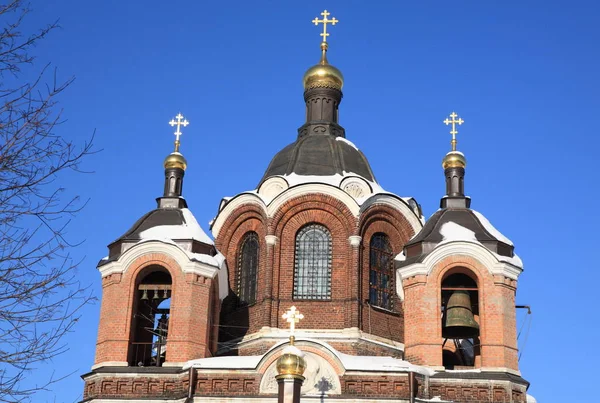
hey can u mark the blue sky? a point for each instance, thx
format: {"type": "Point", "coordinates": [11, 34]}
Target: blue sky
{"type": "Point", "coordinates": [522, 74]}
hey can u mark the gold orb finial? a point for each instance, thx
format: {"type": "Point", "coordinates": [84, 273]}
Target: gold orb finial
{"type": "Point", "coordinates": [454, 159]}
{"type": "Point", "coordinates": [291, 363]}
{"type": "Point", "coordinates": [176, 159]}
{"type": "Point", "coordinates": [323, 75]}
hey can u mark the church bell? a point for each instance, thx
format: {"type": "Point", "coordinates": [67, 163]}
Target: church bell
{"type": "Point", "coordinates": [458, 321]}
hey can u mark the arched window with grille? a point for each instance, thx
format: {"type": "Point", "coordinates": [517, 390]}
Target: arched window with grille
{"type": "Point", "coordinates": [312, 264]}
{"type": "Point", "coordinates": [248, 269]}
{"type": "Point", "coordinates": [381, 272]}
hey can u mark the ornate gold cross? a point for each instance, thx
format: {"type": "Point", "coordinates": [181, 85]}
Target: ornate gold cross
{"type": "Point", "coordinates": [325, 21]}
{"type": "Point", "coordinates": [454, 132]}
{"type": "Point", "coordinates": [178, 123]}
{"type": "Point", "coordinates": [292, 316]}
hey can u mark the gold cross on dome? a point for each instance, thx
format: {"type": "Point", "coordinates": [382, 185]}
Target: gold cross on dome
{"type": "Point", "coordinates": [454, 132]}
{"type": "Point", "coordinates": [325, 21]}
{"type": "Point", "coordinates": [292, 316]}
{"type": "Point", "coordinates": [178, 123]}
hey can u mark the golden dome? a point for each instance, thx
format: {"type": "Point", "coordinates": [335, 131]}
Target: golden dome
{"type": "Point", "coordinates": [291, 362]}
{"type": "Point", "coordinates": [454, 159]}
{"type": "Point", "coordinates": [175, 160]}
{"type": "Point", "coordinates": [323, 75]}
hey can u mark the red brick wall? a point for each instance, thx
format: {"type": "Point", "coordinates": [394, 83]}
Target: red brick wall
{"type": "Point", "coordinates": [189, 328]}
{"type": "Point", "coordinates": [373, 320]}
{"type": "Point", "coordinates": [350, 264]}
{"type": "Point", "coordinates": [423, 339]}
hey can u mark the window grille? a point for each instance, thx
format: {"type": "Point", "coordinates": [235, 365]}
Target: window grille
{"type": "Point", "coordinates": [248, 269]}
{"type": "Point", "coordinates": [312, 266]}
{"type": "Point", "coordinates": [381, 263]}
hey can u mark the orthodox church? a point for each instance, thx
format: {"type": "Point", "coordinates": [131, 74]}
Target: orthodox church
{"type": "Point", "coordinates": [317, 285]}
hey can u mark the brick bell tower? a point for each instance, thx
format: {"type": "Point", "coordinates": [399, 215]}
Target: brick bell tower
{"type": "Point", "coordinates": [459, 276]}
{"type": "Point", "coordinates": [160, 284]}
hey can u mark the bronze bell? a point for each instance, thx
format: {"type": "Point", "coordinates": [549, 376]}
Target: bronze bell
{"type": "Point", "coordinates": [458, 321]}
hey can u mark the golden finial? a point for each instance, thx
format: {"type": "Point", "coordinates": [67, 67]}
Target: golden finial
{"type": "Point", "coordinates": [292, 316]}
{"type": "Point", "coordinates": [454, 159]}
{"type": "Point", "coordinates": [325, 21]}
{"type": "Point", "coordinates": [454, 132]}
{"type": "Point", "coordinates": [178, 133]}
{"type": "Point", "coordinates": [323, 74]}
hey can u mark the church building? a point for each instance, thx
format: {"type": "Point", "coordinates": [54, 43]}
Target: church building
{"type": "Point", "coordinates": [382, 305]}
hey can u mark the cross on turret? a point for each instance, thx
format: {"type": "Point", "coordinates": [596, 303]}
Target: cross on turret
{"type": "Point", "coordinates": [454, 132]}
{"type": "Point", "coordinates": [292, 316]}
{"type": "Point", "coordinates": [325, 21]}
{"type": "Point", "coordinates": [178, 132]}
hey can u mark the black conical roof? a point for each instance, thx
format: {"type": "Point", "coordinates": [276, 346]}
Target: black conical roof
{"type": "Point", "coordinates": [320, 155]}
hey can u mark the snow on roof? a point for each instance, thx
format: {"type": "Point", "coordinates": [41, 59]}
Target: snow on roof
{"type": "Point", "coordinates": [345, 140]}
{"type": "Point", "coordinates": [491, 229]}
{"type": "Point", "coordinates": [294, 179]}
{"type": "Point", "coordinates": [349, 362]}
{"type": "Point", "coordinates": [237, 362]}
{"type": "Point", "coordinates": [452, 231]}
{"type": "Point", "coordinates": [378, 363]}
{"type": "Point", "coordinates": [190, 230]}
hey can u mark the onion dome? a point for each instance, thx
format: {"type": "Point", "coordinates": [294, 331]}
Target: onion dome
{"type": "Point", "coordinates": [454, 159]}
{"type": "Point", "coordinates": [175, 160]}
{"type": "Point", "coordinates": [291, 363]}
{"type": "Point", "coordinates": [323, 75]}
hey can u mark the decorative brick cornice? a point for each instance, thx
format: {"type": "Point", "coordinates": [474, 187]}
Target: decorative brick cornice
{"type": "Point", "coordinates": [185, 262]}
{"type": "Point", "coordinates": [491, 261]}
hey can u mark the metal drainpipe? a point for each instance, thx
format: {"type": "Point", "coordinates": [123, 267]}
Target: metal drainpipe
{"type": "Point", "coordinates": [191, 386]}
{"type": "Point", "coordinates": [411, 382]}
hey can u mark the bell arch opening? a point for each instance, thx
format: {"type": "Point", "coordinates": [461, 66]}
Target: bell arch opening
{"type": "Point", "coordinates": [150, 320]}
{"type": "Point", "coordinates": [460, 320]}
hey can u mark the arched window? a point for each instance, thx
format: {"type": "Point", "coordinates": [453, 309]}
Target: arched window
{"type": "Point", "coordinates": [150, 322]}
{"type": "Point", "coordinates": [381, 272]}
{"type": "Point", "coordinates": [312, 266]}
{"type": "Point", "coordinates": [247, 269]}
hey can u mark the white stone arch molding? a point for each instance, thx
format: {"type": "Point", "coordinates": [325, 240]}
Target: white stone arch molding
{"type": "Point", "coordinates": [397, 203]}
{"type": "Point", "coordinates": [319, 188]}
{"type": "Point", "coordinates": [166, 248]}
{"type": "Point", "coordinates": [495, 264]}
{"type": "Point", "coordinates": [281, 199]}
{"type": "Point", "coordinates": [232, 205]}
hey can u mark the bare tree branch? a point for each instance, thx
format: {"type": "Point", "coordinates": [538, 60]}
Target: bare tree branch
{"type": "Point", "coordinates": [40, 294]}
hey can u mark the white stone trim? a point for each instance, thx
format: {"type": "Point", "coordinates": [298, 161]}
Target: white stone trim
{"type": "Point", "coordinates": [471, 249]}
{"type": "Point", "coordinates": [232, 205]}
{"type": "Point", "coordinates": [355, 240]}
{"type": "Point", "coordinates": [270, 207]}
{"type": "Point", "coordinates": [308, 188]}
{"type": "Point", "coordinates": [271, 239]}
{"type": "Point", "coordinates": [395, 202]}
{"type": "Point", "coordinates": [110, 364]}
{"type": "Point", "coordinates": [170, 249]}
{"type": "Point", "coordinates": [352, 334]}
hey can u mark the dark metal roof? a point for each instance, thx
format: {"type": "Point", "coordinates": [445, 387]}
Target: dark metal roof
{"type": "Point", "coordinates": [429, 237]}
{"type": "Point", "coordinates": [154, 218]}
{"type": "Point", "coordinates": [320, 155]}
